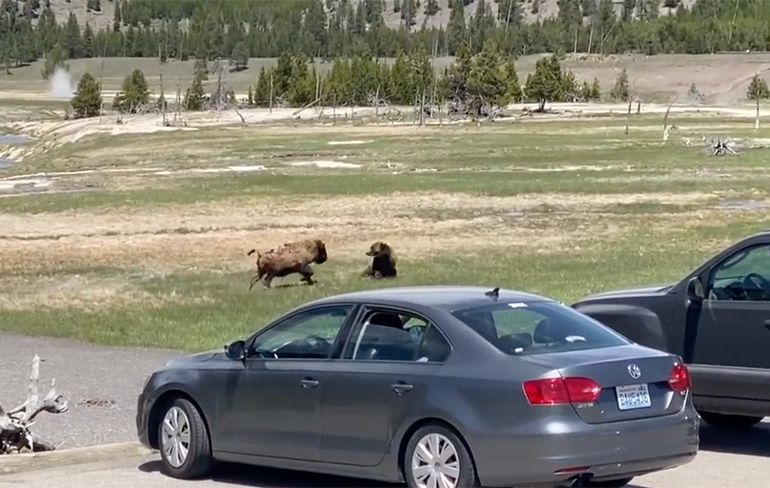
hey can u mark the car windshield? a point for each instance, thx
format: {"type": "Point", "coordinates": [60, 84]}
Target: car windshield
{"type": "Point", "coordinates": [519, 328]}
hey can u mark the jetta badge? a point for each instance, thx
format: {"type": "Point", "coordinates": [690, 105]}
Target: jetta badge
{"type": "Point", "coordinates": [634, 371]}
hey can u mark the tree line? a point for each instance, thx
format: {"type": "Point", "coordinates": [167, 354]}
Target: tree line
{"type": "Point", "coordinates": [474, 84]}
{"type": "Point", "coordinates": [239, 29]}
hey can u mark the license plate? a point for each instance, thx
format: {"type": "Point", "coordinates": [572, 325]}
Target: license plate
{"type": "Point", "coordinates": [633, 396]}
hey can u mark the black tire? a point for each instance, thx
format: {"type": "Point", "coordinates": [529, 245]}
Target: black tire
{"type": "Point", "coordinates": [467, 471]}
{"type": "Point", "coordinates": [608, 484]}
{"type": "Point", "coordinates": [199, 461]}
{"type": "Point", "coordinates": [731, 422]}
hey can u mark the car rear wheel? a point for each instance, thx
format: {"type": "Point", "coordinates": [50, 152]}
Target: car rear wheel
{"type": "Point", "coordinates": [608, 484]}
{"type": "Point", "coordinates": [185, 448]}
{"type": "Point", "coordinates": [435, 457]}
{"type": "Point", "coordinates": [724, 421]}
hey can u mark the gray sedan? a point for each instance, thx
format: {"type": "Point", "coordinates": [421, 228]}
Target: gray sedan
{"type": "Point", "coordinates": [440, 387]}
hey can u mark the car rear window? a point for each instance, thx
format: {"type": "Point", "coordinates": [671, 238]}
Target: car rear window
{"type": "Point", "coordinates": [519, 328]}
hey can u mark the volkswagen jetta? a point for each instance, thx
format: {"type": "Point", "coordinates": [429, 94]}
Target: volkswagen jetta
{"type": "Point", "coordinates": [440, 387]}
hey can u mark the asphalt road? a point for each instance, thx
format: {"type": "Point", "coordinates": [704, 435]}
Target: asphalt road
{"type": "Point", "coordinates": [735, 460]}
{"type": "Point", "coordinates": [100, 385]}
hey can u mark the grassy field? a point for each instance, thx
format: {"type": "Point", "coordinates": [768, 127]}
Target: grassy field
{"type": "Point", "coordinates": [142, 239]}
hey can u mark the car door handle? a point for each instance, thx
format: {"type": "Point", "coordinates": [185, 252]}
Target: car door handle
{"type": "Point", "coordinates": [767, 324]}
{"type": "Point", "coordinates": [308, 383]}
{"type": "Point", "coordinates": [401, 388]}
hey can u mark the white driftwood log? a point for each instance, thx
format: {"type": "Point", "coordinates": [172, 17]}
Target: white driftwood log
{"type": "Point", "coordinates": [15, 435]}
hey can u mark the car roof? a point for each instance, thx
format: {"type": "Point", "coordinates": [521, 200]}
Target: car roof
{"type": "Point", "coordinates": [443, 297]}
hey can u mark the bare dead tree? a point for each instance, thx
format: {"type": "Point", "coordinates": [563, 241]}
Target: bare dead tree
{"type": "Point", "coordinates": [665, 120]}
{"type": "Point", "coordinates": [15, 435]}
{"type": "Point", "coordinates": [628, 115]}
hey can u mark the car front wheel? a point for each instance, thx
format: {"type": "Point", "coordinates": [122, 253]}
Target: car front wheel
{"type": "Point", "coordinates": [724, 421]}
{"type": "Point", "coordinates": [435, 457]}
{"type": "Point", "coordinates": [185, 448]}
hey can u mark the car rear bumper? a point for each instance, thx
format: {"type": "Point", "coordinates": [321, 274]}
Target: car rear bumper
{"type": "Point", "coordinates": [556, 451]}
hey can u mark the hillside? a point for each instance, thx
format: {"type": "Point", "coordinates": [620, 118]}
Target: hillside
{"type": "Point", "coordinates": [546, 9]}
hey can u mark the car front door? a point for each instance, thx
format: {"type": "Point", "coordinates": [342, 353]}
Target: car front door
{"type": "Point", "coordinates": [384, 370]}
{"type": "Point", "coordinates": [731, 355]}
{"type": "Point", "coordinates": [271, 406]}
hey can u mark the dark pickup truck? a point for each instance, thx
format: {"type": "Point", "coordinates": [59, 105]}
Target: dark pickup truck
{"type": "Point", "coordinates": [717, 319]}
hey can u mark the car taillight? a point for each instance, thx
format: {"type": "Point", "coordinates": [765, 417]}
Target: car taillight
{"type": "Point", "coordinates": [560, 391]}
{"type": "Point", "coordinates": [679, 380]}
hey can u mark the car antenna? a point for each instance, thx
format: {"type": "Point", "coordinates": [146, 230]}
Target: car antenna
{"type": "Point", "coordinates": [493, 293]}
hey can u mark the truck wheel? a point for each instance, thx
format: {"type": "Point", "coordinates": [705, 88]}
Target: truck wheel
{"type": "Point", "coordinates": [733, 422]}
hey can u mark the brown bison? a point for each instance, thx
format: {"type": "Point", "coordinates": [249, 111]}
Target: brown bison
{"type": "Point", "coordinates": [292, 257]}
{"type": "Point", "coordinates": [383, 263]}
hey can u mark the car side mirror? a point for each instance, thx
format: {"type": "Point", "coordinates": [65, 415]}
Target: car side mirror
{"type": "Point", "coordinates": [695, 289]}
{"type": "Point", "coordinates": [236, 351]}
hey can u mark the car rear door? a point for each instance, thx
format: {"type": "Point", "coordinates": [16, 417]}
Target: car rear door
{"type": "Point", "coordinates": [383, 373]}
{"type": "Point", "coordinates": [731, 355]}
{"type": "Point", "coordinates": [271, 407]}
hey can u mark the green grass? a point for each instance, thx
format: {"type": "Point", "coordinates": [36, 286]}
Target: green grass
{"type": "Point", "coordinates": [202, 190]}
{"type": "Point", "coordinates": [201, 308]}
{"type": "Point", "coordinates": [215, 308]}
{"type": "Point", "coordinates": [582, 156]}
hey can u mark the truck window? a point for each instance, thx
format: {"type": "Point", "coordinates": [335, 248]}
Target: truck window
{"type": "Point", "coordinates": [744, 276]}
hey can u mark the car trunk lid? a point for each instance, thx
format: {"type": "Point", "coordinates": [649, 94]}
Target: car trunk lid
{"type": "Point", "coordinates": [634, 383]}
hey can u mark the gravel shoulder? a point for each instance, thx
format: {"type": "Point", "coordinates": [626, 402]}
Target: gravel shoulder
{"type": "Point", "coordinates": [99, 383]}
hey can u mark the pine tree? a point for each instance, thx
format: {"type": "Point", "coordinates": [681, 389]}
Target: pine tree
{"type": "Point", "coordinates": [569, 88]}
{"type": "Point", "coordinates": [88, 42]}
{"type": "Point", "coordinates": [315, 23]}
{"type": "Point", "coordinates": [757, 89]}
{"type": "Point", "coordinates": [262, 88]}
{"type": "Point", "coordinates": [508, 12]}
{"type": "Point", "coordinates": [620, 91]}
{"type": "Point", "coordinates": [117, 18]}
{"type": "Point", "coordinates": [408, 11]}
{"type": "Point", "coordinates": [72, 37]}
{"type": "Point", "coordinates": [457, 75]}
{"type": "Point", "coordinates": [56, 57]}
{"type": "Point", "coordinates": [201, 69]}
{"type": "Point", "coordinates": [194, 98]}
{"type": "Point", "coordinates": [431, 7]}
{"type": "Point", "coordinates": [544, 84]}
{"type": "Point", "coordinates": [400, 89]}
{"type": "Point", "coordinates": [88, 99]}
{"type": "Point", "coordinates": [591, 92]}
{"type": "Point", "coordinates": [250, 99]}
{"type": "Point", "coordinates": [487, 83]}
{"type": "Point", "coordinates": [456, 27]}
{"type": "Point", "coordinates": [134, 93]}
{"type": "Point", "coordinates": [514, 93]}
{"type": "Point", "coordinates": [569, 12]}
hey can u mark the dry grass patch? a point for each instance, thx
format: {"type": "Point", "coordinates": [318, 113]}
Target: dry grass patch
{"type": "Point", "coordinates": [217, 236]}
{"type": "Point", "coordinates": [83, 293]}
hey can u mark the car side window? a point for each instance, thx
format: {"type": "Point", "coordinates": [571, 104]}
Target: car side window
{"type": "Point", "coordinates": [306, 335]}
{"type": "Point", "coordinates": [391, 336]}
{"type": "Point", "coordinates": [744, 276]}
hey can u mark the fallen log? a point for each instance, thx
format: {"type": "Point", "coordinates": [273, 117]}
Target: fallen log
{"type": "Point", "coordinates": [15, 434]}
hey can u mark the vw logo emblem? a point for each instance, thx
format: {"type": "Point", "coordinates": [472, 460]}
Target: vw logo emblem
{"type": "Point", "coordinates": [634, 371]}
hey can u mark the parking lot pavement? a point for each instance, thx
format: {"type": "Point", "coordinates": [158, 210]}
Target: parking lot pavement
{"type": "Point", "coordinates": [735, 460]}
